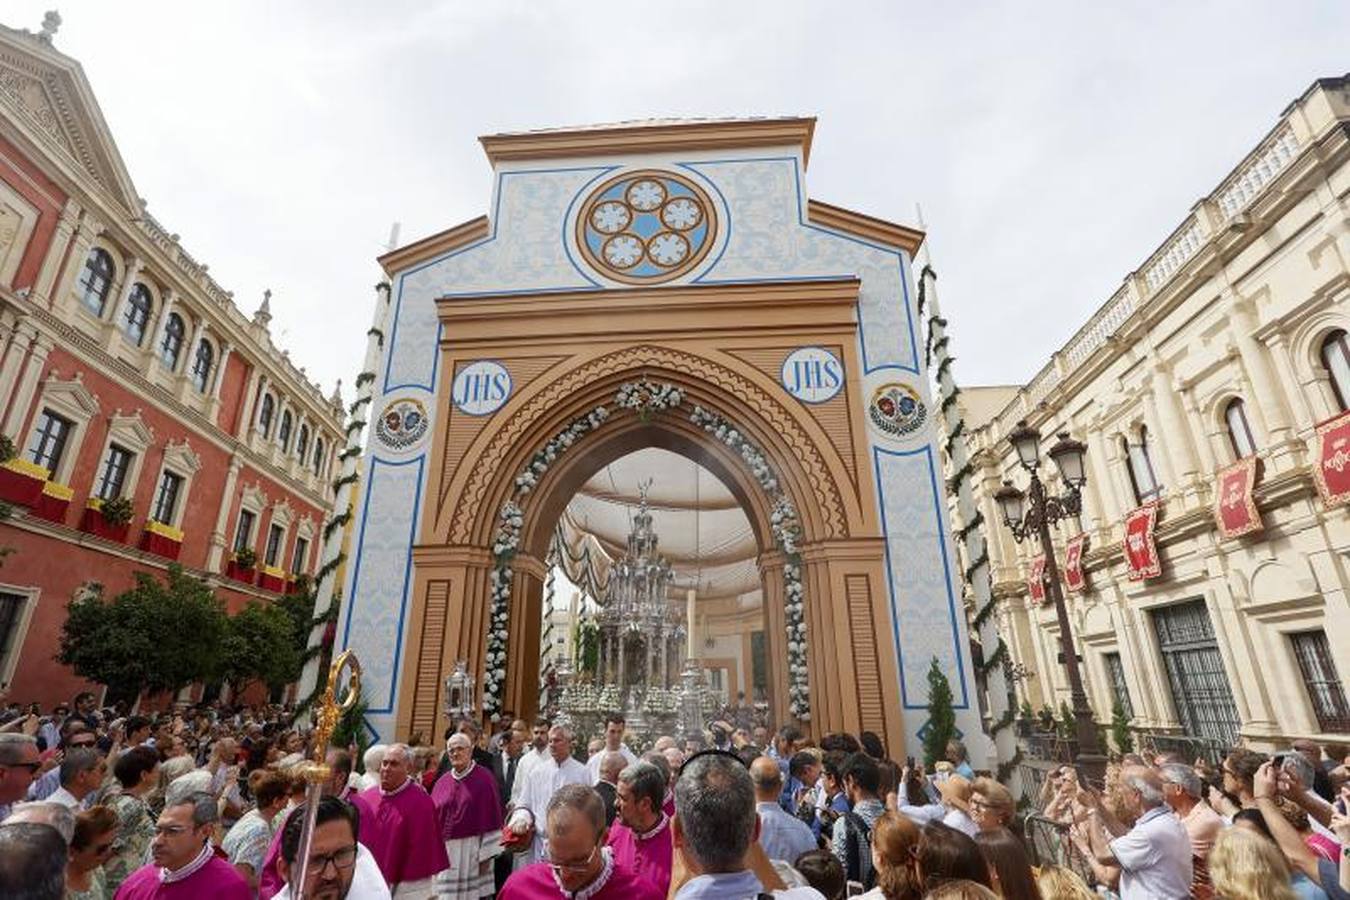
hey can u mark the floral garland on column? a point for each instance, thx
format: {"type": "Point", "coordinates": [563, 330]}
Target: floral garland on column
{"type": "Point", "coordinates": [646, 399]}
{"type": "Point", "coordinates": [787, 532]}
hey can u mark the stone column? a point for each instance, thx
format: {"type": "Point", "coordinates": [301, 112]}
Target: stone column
{"type": "Point", "coordinates": [157, 335]}
{"type": "Point", "coordinates": [1107, 507]}
{"type": "Point", "coordinates": [1176, 437]}
{"type": "Point", "coordinates": [245, 424]}
{"type": "Point", "coordinates": [15, 341]}
{"type": "Point", "coordinates": [51, 262]}
{"type": "Point", "coordinates": [1205, 446]}
{"type": "Point", "coordinates": [1119, 464]}
{"type": "Point", "coordinates": [216, 550]}
{"type": "Point", "coordinates": [1295, 388]}
{"type": "Point", "coordinates": [219, 377]}
{"type": "Point", "coordinates": [27, 387]}
{"type": "Point", "coordinates": [85, 234]}
{"type": "Point", "coordinates": [1243, 323]}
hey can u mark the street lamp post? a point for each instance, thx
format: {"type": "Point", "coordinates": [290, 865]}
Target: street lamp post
{"type": "Point", "coordinates": [1031, 515]}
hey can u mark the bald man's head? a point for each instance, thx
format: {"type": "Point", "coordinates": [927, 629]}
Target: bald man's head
{"type": "Point", "coordinates": [611, 764]}
{"type": "Point", "coordinates": [768, 779]}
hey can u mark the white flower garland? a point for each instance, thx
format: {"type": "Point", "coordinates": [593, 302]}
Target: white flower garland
{"type": "Point", "coordinates": [787, 532]}
{"type": "Point", "coordinates": [646, 399]}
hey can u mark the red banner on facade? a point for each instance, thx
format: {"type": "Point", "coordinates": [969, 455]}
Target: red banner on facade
{"type": "Point", "coordinates": [1036, 582]}
{"type": "Point", "coordinates": [1331, 458]}
{"type": "Point", "coordinates": [1141, 550]}
{"type": "Point", "coordinates": [1235, 501]}
{"type": "Point", "coordinates": [1074, 576]}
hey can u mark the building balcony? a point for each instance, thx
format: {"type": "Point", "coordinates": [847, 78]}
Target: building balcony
{"type": "Point", "coordinates": [243, 574]}
{"type": "Point", "coordinates": [21, 482]}
{"type": "Point", "coordinates": [93, 522]}
{"type": "Point", "coordinates": [54, 502]}
{"type": "Point", "coordinates": [272, 578]}
{"type": "Point", "coordinates": [162, 540]}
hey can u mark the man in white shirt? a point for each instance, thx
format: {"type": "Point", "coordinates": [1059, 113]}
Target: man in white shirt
{"type": "Point", "coordinates": [613, 744]}
{"type": "Point", "coordinates": [1154, 857]}
{"type": "Point", "coordinates": [82, 772]}
{"type": "Point", "coordinates": [558, 768]}
{"type": "Point", "coordinates": [534, 754]}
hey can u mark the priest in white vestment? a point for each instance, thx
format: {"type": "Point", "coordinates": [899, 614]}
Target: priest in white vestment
{"type": "Point", "coordinates": [526, 818]}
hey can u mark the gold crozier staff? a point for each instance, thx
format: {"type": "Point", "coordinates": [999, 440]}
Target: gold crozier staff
{"type": "Point", "coordinates": [327, 712]}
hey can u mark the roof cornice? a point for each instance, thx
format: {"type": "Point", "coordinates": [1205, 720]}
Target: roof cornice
{"type": "Point", "coordinates": [651, 137]}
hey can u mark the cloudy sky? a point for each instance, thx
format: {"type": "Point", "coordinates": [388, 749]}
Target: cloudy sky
{"type": "Point", "coordinates": [1052, 146]}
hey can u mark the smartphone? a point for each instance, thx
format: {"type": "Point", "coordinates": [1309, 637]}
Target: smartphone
{"type": "Point", "coordinates": [1278, 760]}
{"type": "Point", "coordinates": [856, 889]}
{"type": "Point", "coordinates": [909, 762]}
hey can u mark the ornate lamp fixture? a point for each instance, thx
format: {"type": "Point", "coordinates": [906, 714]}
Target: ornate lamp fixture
{"type": "Point", "coordinates": [1031, 514]}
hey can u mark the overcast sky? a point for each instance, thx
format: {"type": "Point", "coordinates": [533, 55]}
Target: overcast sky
{"type": "Point", "coordinates": [1051, 146]}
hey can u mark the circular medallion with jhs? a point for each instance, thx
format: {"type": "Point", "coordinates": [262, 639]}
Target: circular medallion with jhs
{"type": "Point", "coordinates": [646, 227]}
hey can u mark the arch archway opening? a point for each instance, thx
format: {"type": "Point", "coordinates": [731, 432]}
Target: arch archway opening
{"type": "Point", "coordinates": [611, 641]}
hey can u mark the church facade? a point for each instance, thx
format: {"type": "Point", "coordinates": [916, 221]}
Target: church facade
{"type": "Point", "coordinates": [1212, 390]}
{"type": "Point", "coordinates": [658, 284]}
{"type": "Point", "coordinates": [127, 373]}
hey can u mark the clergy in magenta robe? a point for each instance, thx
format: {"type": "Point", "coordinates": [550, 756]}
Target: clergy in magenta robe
{"type": "Point", "coordinates": [469, 812]}
{"type": "Point", "coordinates": [614, 882]}
{"type": "Point", "coordinates": [641, 838]}
{"type": "Point", "coordinates": [209, 874]}
{"type": "Point", "coordinates": [649, 854]}
{"type": "Point", "coordinates": [403, 834]}
{"type": "Point", "coordinates": [577, 866]}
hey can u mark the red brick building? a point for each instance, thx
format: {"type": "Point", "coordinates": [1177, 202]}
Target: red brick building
{"type": "Point", "coordinates": [127, 372]}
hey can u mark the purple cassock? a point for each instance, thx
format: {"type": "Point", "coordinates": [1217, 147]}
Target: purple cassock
{"type": "Point", "coordinates": [468, 806]}
{"type": "Point", "coordinates": [269, 882]}
{"type": "Point", "coordinates": [403, 834]}
{"type": "Point", "coordinates": [470, 817]}
{"type": "Point", "coordinates": [615, 882]}
{"type": "Point", "coordinates": [209, 875]}
{"type": "Point", "coordinates": [649, 854]}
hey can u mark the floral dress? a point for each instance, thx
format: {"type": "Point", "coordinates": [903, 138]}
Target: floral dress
{"type": "Point", "coordinates": [135, 831]}
{"type": "Point", "coordinates": [98, 888]}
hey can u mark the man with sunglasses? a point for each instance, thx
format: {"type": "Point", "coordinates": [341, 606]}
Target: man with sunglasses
{"type": "Point", "coordinates": [18, 765]}
{"type": "Point", "coordinates": [185, 863]}
{"type": "Point", "coordinates": [339, 867]}
{"type": "Point", "coordinates": [74, 736]}
{"type": "Point", "coordinates": [577, 865]}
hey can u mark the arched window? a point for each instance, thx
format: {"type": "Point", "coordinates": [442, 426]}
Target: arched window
{"type": "Point", "coordinates": [96, 280]}
{"type": "Point", "coordinates": [172, 345]}
{"type": "Point", "coordinates": [1142, 477]}
{"type": "Point", "coordinates": [265, 413]}
{"type": "Point", "coordinates": [1336, 360]}
{"type": "Point", "coordinates": [318, 455]}
{"type": "Point", "coordinates": [201, 367]}
{"type": "Point", "coordinates": [1239, 432]}
{"type": "Point", "coordinates": [302, 443]}
{"type": "Point", "coordinates": [284, 432]}
{"type": "Point", "coordinates": [137, 316]}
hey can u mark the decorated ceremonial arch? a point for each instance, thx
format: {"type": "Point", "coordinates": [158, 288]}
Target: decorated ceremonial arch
{"type": "Point", "coordinates": [656, 285]}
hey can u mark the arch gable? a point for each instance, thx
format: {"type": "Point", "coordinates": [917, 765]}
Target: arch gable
{"type": "Point", "coordinates": [807, 461]}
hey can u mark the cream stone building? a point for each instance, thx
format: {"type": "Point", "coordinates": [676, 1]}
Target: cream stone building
{"type": "Point", "coordinates": [1228, 340]}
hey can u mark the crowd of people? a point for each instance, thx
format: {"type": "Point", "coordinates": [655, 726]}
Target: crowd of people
{"type": "Point", "coordinates": [1255, 827]}
{"type": "Point", "coordinates": [211, 801]}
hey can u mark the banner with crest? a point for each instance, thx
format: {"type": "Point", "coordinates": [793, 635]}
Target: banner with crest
{"type": "Point", "coordinates": [1235, 499]}
{"type": "Point", "coordinates": [1141, 549]}
{"type": "Point", "coordinates": [1331, 460]}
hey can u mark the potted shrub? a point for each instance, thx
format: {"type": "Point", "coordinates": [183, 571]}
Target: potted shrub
{"type": "Point", "coordinates": [109, 519]}
{"type": "Point", "coordinates": [240, 566]}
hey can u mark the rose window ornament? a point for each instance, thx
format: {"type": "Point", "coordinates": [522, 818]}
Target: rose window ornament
{"type": "Point", "coordinates": [646, 227]}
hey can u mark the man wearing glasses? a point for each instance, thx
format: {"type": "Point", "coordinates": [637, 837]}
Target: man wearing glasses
{"type": "Point", "coordinates": [339, 867]}
{"type": "Point", "coordinates": [577, 864]}
{"type": "Point", "coordinates": [18, 765]}
{"type": "Point", "coordinates": [185, 862]}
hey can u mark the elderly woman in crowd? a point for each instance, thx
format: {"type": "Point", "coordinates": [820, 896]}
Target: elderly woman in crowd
{"type": "Point", "coordinates": [90, 847]}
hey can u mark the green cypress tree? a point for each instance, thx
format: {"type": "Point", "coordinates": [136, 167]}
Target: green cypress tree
{"type": "Point", "coordinates": [941, 716]}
